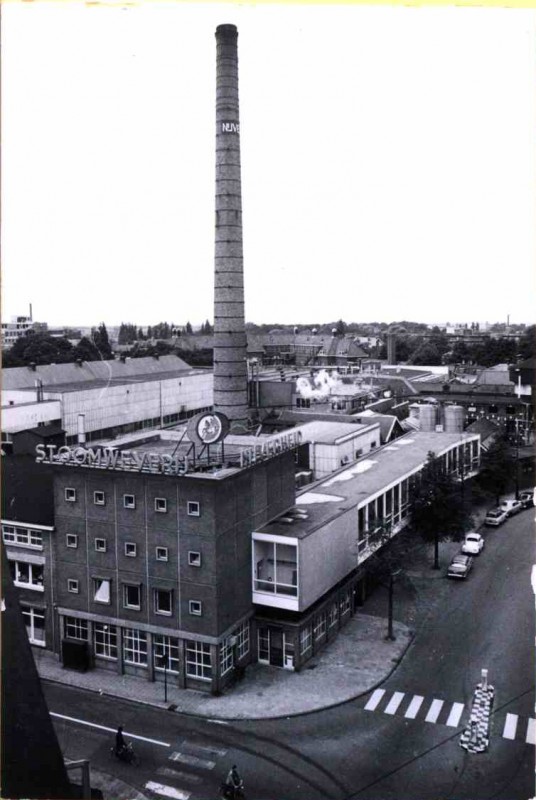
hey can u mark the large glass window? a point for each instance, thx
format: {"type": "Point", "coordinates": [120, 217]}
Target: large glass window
{"type": "Point", "coordinates": [276, 567]}
{"type": "Point", "coordinates": [105, 640]}
{"type": "Point", "coordinates": [242, 634]}
{"type": "Point", "coordinates": [29, 576]}
{"type": "Point", "coordinates": [198, 660]}
{"type": "Point", "coordinates": [345, 602]}
{"type": "Point", "coordinates": [319, 629]}
{"type": "Point", "coordinates": [34, 619]}
{"type": "Point", "coordinates": [22, 536]}
{"type": "Point", "coordinates": [75, 628]}
{"type": "Point", "coordinates": [135, 647]}
{"type": "Point", "coordinates": [333, 615]}
{"type": "Point", "coordinates": [226, 657]}
{"type": "Point", "coordinates": [166, 647]}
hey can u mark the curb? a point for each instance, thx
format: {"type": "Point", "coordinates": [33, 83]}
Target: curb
{"type": "Point", "coordinates": [164, 707]}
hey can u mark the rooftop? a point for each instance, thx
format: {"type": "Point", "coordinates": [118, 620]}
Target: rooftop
{"type": "Point", "coordinates": [353, 486]}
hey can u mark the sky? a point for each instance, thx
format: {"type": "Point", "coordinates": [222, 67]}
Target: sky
{"type": "Point", "coordinates": [388, 162]}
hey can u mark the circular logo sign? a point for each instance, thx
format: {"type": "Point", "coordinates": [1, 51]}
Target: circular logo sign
{"type": "Point", "coordinates": [208, 428]}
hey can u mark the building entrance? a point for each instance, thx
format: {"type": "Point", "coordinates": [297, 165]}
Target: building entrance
{"type": "Point", "coordinates": [275, 647]}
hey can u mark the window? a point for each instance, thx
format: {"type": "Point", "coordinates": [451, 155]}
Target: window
{"type": "Point", "coordinates": [29, 576]}
{"type": "Point", "coordinates": [70, 495]}
{"type": "Point", "coordinates": [166, 650]}
{"type": "Point", "coordinates": [198, 660]}
{"type": "Point", "coordinates": [195, 607]}
{"type": "Point", "coordinates": [193, 508]}
{"type": "Point", "coordinates": [276, 568]}
{"type": "Point", "coordinates": [129, 501]}
{"type": "Point", "coordinates": [194, 558]}
{"type": "Point", "coordinates": [345, 603]}
{"type": "Point", "coordinates": [332, 615]}
{"type": "Point", "coordinates": [71, 540]}
{"type": "Point", "coordinates": [100, 545]}
{"type": "Point", "coordinates": [242, 634]}
{"type": "Point", "coordinates": [160, 504]}
{"type": "Point", "coordinates": [101, 590]}
{"type": "Point", "coordinates": [226, 657]}
{"type": "Point", "coordinates": [76, 628]}
{"type": "Point", "coordinates": [72, 585]}
{"type": "Point", "coordinates": [163, 601]}
{"type": "Point", "coordinates": [98, 498]}
{"type": "Point", "coordinates": [131, 549]}
{"type": "Point", "coordinates": [105, 640]}
{"type": "Point", "coordinates": [161, 554]}
{"type": "Point", "coordinates": [131, 596]}
{"type": "Point", "coordinates": [305, 639]}
{"type": "Point", "coordinates": [319, 629]}
{"type": "Point", "coordinates": [135, 647]}
{"type": "Point", "coordinates": [34, 619]}
{"type": "Point", "coordinates": [22, 536]}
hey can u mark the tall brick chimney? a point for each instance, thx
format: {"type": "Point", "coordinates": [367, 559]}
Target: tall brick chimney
{"type": "Point", "coordinates": [230, 345]}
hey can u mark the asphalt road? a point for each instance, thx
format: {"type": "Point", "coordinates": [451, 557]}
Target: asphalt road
{"type": "Point", "coordinates": [351, 751]}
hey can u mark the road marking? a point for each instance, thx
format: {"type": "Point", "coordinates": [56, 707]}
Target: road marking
{"type": "Point", "coordinates": [374, 701]}
{"type": "Point", "coordinates": [110, 730]}
{"type": "Point", "coordinates": [434, 711]}
{"type": "Point", "coordinates": [413, 708]}
{"type": "Point", "coordinates": [531, 732]}
{"type": "Point", "coordinates": [174, 773]}
{"type": "Point", "coordinates": [218, 721]}
{"type": "Point", "coordinates": [200, 748]}
{"type": "Point", "coordinates": [193, 761]}
{"type": "Point", "coordinates": [510, 726]}
{"type": "Point", "coordinates": [455, 714]}
{"type": "Point", "coordinates": [394, 702]}
{"type": "Point", "coordinates": [167, 791]}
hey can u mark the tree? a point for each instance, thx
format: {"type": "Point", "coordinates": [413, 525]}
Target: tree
{"type": "Point", "coordinates": [427, 354]}
{"type": "Point", "coordinates": [38, 348]}
{"type": "Point", "coordinates": [438, 508]}
{"type": "Point", "coordinates": [340, 328]}
{"type": "Point", "coordinates": [188, 329]}
{"type": "Point", "coordinates": [86, 350]}
{"type": "Point", "coordinates": [497, 467]}
{"type": "Point", "coordinates": [385, 566]}
{"type": "Point", "coordinates": [101, 341]}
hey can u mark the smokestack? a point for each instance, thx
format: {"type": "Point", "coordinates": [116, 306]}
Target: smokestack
{"type": "Point", "coordinates": [230, 344]}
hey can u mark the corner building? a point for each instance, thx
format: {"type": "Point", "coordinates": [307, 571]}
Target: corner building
{"type": "Point", "coordinates": [152, 571]}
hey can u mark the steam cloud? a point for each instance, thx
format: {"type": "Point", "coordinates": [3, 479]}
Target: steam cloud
{"type": "Point", "coordinates": [319, 387]}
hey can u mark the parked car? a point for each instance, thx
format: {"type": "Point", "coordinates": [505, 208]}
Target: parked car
{"type": "Point", "coordinates": [526, 499]}
{"type": "Point", "coordinates": [460, 566]}
{"type": "Point", "coordinates": [496, 517]}
{"type": "Point", "coordinates": [473, 544]}
{"type": "Point", "coordinates": [511, 507]}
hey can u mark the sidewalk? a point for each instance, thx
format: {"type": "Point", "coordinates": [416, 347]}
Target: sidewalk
{"type": "Point", "coordinates": [352, 664]}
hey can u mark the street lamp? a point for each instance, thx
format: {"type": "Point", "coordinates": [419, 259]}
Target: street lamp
{"type": "Point", "coordinates": [163, 659]}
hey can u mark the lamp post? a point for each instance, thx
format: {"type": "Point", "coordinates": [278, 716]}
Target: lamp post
{"type": "Point", "coordinates": [164, 663]}
{"type": "Point", "coordinates": [295, 330]}
{"type": "Point", "coordinates": [390, 635]}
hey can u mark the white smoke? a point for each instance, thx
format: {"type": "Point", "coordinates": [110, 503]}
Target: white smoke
{"type": "Point", "coordinates": [319, 387]}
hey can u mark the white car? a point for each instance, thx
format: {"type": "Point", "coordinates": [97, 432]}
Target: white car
{"type": "Point", "coordinates": [473, 544]}
{"type": "Point", "coordinates": [496, 517]}
{"type": "Point", "coordinates": [511, 506]}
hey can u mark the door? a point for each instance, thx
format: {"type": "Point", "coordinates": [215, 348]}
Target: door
{"type": "Point", "coordinates": [276, 647]}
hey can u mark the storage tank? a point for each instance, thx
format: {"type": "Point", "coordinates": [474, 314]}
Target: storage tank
{"type": "Point", "coordinates": [427, 417]}
{"type": "Point", "coordinates": [454, 419]}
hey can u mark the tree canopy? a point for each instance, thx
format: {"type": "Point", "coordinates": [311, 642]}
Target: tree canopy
{"type": "Point", "coordinates": [497, 468]}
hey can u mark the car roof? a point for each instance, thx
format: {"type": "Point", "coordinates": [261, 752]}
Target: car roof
{"type": "Point", "coordinates": [473, 536]}
{"type": "Point", "coordinates": [460, 558]}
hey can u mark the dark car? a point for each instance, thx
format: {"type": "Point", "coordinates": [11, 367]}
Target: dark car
{"type": "Point", "coordinates": [460, 566]}
{"type": "Point", "coordinates": [526, 499]}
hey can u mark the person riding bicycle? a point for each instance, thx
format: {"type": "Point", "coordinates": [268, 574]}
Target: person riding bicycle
{"type": "Point", "coordinates": [120, 744]}
{"type": "Point", "coordinates": [233, 782]}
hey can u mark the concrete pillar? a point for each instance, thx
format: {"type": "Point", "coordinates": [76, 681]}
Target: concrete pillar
{"type": "Point", "coordinates": [230, 344]}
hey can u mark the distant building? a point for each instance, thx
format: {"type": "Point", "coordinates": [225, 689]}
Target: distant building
{"type": "Point", "coordinates": [13, 330]}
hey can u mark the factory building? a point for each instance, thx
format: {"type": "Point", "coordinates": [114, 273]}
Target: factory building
{"type": "Point", "coordinates": [116, 397]}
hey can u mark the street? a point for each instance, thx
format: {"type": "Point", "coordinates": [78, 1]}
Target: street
{"type": "Point", "coordinates": [399, 742]}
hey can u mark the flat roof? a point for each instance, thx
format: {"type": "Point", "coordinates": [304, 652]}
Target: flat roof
{"type": "Point", "coordinates": [101, 383]}
{"type": "Point", "coordinates": [353, 486]}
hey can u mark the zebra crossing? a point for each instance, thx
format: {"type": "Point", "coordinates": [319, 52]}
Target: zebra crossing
{"type": "Point", "coordinates": [180, 784]}
{"type": "Point", "coordinates": [442, 712]}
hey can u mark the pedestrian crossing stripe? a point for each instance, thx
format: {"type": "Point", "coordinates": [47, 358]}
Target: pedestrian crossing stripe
{"type": "Point", "coordinates": [204, 750]}
{"type": "Point", "coordinates": [166, 791]}
{"type": "Point", "coordinates": [192, 761]}
{"type": "Point", "coordinates": [438, 711]}
{"type": "Point", "coordinates": [170, 772]}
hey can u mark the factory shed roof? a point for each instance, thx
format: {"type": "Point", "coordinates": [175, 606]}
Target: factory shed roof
{"type": "Point", "coordinates": [64, 376]}
{"type": "Point", "coordinates": [355, 485]}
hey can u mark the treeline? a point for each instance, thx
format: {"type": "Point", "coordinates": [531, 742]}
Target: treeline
{"type": "Point", "coordinates": [41, 348]}
{"type": "Point", "coordinates": [130, 333]}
